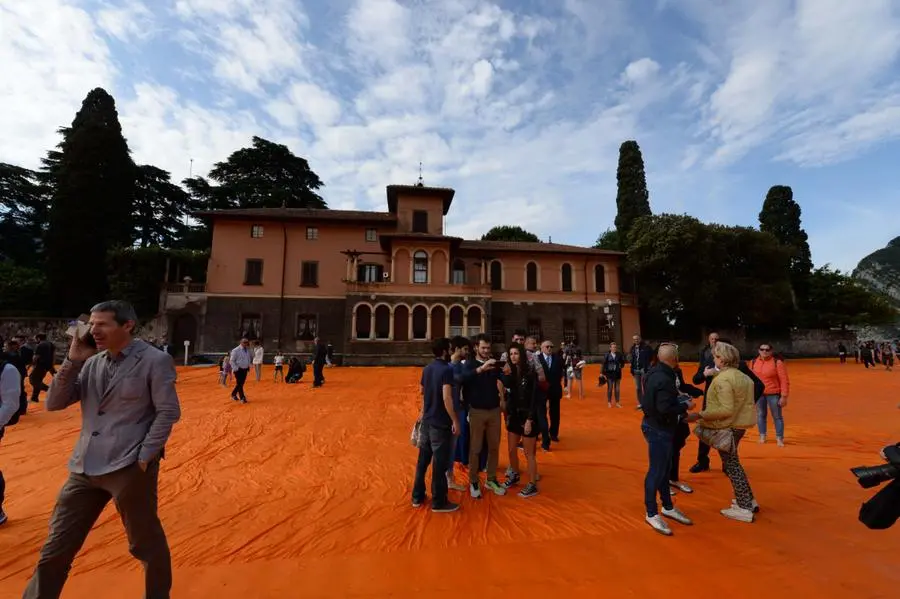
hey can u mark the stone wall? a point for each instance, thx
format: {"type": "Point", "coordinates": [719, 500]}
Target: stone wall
{"type": "Point", "coordinates": [801, 343]}
{"type": "Point", "coordinates": [55, 329]}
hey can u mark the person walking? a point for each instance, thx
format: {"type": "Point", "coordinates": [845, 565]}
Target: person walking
{"type": "Point", "coordinates": [43, 362]}
{"type": "Point", "coordinates": [550, 393]}
{"type": "Point", "coordinates": [723, 423]}
{"type": "Point", "coordinates": [320, 354]}
{"type": "Point", "coordinates": [639, 358]}
{"type": "Point", "coordinates": [128, 408]}
{"type": "Point", "coordinates": [772, 372]}
{"type": "Point", "coordinates": [259, 355]}
{"type": "Point", "coordinates": [663, 409]}
{"type": "Point", "coordinates": [10, 400]}
{"type": "Point", "coordinates": [521, 418]}
{"type": "Point", "coordinates": [611, 368]}
{"type": "Point", "coordinates": [842, 352]}
{"type": "Point", "coordinates": [241, 358]}
{"type": "Point", "coordinates": [439, 424]}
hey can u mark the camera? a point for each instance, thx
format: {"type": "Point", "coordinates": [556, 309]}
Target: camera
{"type": "Point", "coordinates": [883, 509]}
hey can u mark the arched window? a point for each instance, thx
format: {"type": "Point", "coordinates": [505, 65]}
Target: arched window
{"type": "Point", "coordinates": [459, 272]}
{"type": "Point", "coordinates": [531, 277]}
{"type": "Point", "coordinates": [420, 267]}
{"type": "Point", "coordinates": [496, 275]}
{"type": "Point", "coordinates": [567, 277]}
{"type": "Point", "coordinates": [599, 279]}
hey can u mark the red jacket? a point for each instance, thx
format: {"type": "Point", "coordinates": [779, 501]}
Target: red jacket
{"type": "Point", "coordinates": [773, 374]}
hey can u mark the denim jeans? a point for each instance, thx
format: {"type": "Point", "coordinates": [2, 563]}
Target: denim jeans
{"type": "Point", "coordinates": [613, 387]}
{"type": "Point", "coordinates": [639, 386]}
{"type": "Point", "coordinates": [661, 444]}
{"type": "Point", "coordinates": [770, 402]}
{"type": "Point", "coordinates": [436, 448]}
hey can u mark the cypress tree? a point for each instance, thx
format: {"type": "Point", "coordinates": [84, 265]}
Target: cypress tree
{"type": "Point", "coordinates": [632, 197]}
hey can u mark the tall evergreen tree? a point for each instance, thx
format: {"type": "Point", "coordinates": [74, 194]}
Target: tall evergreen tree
{"type": "Point", "coordinates": [22, 215]}
{"type": "Point", "coordinates": [160, 207]}
{"type": "Point", "coordinates": [91, 209]}
{"type": "Point", "coordinates": [632, 197]}
{"type": "Point", "coordinates": [510, 233]}
{"type": "Point", "coordinates": [780, 216]}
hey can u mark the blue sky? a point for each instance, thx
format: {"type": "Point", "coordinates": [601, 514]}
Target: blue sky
{"type": "Point", "coordinates": [519, 105]}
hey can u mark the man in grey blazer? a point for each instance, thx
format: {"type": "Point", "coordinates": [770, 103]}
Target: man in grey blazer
{"type": "Point", "coordinates": [126, 388]}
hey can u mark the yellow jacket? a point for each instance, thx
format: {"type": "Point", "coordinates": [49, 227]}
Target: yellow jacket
{"type": "Point", "coordinates": [729, 401]}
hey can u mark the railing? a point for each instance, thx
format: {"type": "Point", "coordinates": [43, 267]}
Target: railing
{"type": "Point", "coordinates": [186, 288]}
{"type": "Point", "coordinates": [376, 286]}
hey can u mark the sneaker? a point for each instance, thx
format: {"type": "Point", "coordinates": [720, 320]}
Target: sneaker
{"type": "Point", "coordinates": [417, 502]}
{"type": "Point", "coordinates": [530, 490]}
{"type": "Point", "coordinates": [618, 405]}
{"type": "Point", "coordinates": [738, 513]}
{"type": "Point", "coordinates": [755, 505]}
{"type": "Point", "coordinates": [454, 486]}
{"type": "Point", "coordinates": [475, 491]}
{"type": "Point", "coordinates": [609, 405]}
{"type": "Point", "coordinates": [243, 401]}
{"type": "Point", "coordinates": [677, 515]}
{"type": "Point", "coordinates": [779, 441]}
{"type": "Point", "coordinates": [673, 490]}
{"type": "Point", "coordinates": [698, 468]}
{"type": "Point", "coordinates": [681, 486]}
{"type": "Point", "coordinates": [762, 439]}
{"type": "Point", "coordinates": [512, 479]}
{"type": "Point", "coordinates": [497, 488]}
{"type": "Point", "coordinates": [659, 525]}
{"type": "Point", "coordinates": [446, 508]}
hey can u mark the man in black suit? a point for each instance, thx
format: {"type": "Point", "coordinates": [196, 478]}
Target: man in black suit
{"type": "Point", "coordinates": [43, 362]}
{"type": "Point", "coordinates": [551, 395]}
{"type": "Point", "coordinates": [320, 352]}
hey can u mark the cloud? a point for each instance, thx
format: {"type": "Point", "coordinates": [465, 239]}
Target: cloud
{"type": "Point", "coordinates": [132, 20]}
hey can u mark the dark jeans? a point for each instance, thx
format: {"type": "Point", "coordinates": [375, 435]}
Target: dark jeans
{"type": "Point", "coordinates": [240, 377]}
{"type": "Point", "coordinates": [679, 441]}
{"type": "Point", "coordinates": [318, 374]}
{"type": "Point", "coordinates": [435, 448]}
{"type": "Point", "coordinates": [553, 404]}
{"type": "Point", "coordinates": [36, 378]}
{"type": "Point", "coordinates": [80, 503]}
{"type": "Point", "coordinates": [661, 446]}
{"type": "Point", "coordinates": [543, 424]}
{"type": "Point", "coordinates": [2, 490]}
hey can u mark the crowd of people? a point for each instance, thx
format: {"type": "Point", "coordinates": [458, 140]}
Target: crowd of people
{"type": "Point", "coordinates": [870, 353]}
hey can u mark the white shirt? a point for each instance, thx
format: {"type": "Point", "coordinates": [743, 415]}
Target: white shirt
{"type": "Point", "coordinates": [240, 358]}
{"type": "Point", "coordinates": [279, 360]}
{"type": "Point", "coordinates": [258, 354]}
{"type": "Point", "coordinates": [10, 390]}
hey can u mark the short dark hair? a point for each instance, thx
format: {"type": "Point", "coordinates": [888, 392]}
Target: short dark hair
{"type": "Point", "coordinates": [459, 341]}
{"type": "Point", "coordinates": [520, 333]}
{"type": "Point", "coordinates": [121, 310]}
{"type": "Point", "coordinates": [440, 346]}
{"type": "Point", "coordinates": [481, 337]}
{"type": "Point", "coordinates": [41, 336]}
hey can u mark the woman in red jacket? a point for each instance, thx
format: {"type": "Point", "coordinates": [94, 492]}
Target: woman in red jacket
{"type": "Point", "coordinates": [773, 373]}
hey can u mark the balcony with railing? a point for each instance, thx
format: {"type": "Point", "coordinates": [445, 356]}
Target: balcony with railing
{"type": "Point", "coordinates": [376, 287]}
{"type": "Point", "coordinates": [176, 296]}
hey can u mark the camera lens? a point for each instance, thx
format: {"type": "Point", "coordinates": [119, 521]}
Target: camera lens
{"type": "Point", "coordinates": [871, 476]}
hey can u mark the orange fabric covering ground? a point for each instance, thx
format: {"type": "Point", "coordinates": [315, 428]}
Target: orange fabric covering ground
{"type": "Point", "coordinates": [306, 493]}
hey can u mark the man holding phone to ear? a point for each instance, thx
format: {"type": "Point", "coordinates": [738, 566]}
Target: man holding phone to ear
{"type": "Point", "coordinates": [126, 389]}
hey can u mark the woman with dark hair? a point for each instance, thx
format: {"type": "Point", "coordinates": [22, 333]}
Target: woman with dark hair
{"type": "Point", "coordinates": [521, 418]}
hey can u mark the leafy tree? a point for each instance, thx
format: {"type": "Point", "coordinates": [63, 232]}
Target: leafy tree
{"type": "Point", "coordinates": [266, 175]}
{"type": "Point", "coordinates": [608, 240]}
{"type": "Point", "coordinates": [510, 233]}
{"type": "Point", "coordinates": [22, 215]}
{"type": "Point", "coordinates": [632, 197]}
{"type": "Point", "coordinates": [160, 207]}
{"type": "Point", "coordinates": [135, 274]}
{"type": "Point", "coordinates": [780, 216]}
{"type": "Point", "coordinates": [22, 289]}
{"type": "Point", "coordinates": [842, 301]}
{"type": "Point", "coordinates": [91, 209]}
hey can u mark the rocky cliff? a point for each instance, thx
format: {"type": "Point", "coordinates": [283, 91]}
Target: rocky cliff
{"type": "Point", "coordinates": [880, 270]}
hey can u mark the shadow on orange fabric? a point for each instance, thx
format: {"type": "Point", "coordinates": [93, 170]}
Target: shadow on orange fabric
{"type": "Point", "coordinates": [306, 493]}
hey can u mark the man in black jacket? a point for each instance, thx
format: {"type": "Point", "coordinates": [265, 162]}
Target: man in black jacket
{"type": "Point", "coordinates": [553, 367]}
{"type": "Point", "coordinates": [639, 357]}
{"type": "Point", "coordinates": [663, 409]}
{"type": "Point", "coordinates": [44, 360]}
{"type": "Point", "coordinates": [319, 354]}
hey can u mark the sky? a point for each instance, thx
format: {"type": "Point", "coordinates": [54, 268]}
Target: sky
{"type": "Point", "coordinates": [520, 106]}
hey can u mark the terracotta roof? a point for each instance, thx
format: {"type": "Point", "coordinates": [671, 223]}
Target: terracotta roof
{"type": "Point", "coordinates": [298, 214]}
{"type": "Point", "coordinates": [532, 247]}
{"type": "Point", "coordinates": [444, 193]}
{"type": "Point", "coordinates": [386, 237]}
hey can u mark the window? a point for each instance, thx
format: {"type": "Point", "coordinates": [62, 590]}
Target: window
{"type": "Point", "coordinates": [604, 333]}
{"type": "Point", "coordinates": [309, 274]}
{"type": "Point", "coordinates": [626, 282]}
{"type": "Point", "coordinates": [256, 231]}
{"type": "Point", "coordinates": [251, 326]}
{"type": "Point", "coordinates": [369, 273]}
{"type": "Point", "coordinates": [498, 334]}
{"type": "Point", "coordinates": [531, 277]}
{"type": "Point", "coordinates": [459, 272]}
{"type": "Point", "coordinates": [371, 235]}
{"type": "Point", "coordinates": [253, 271]}
{"type": "Point", "coordinates": [567, 277]}
{"type": "Point", "coordinates": [420, 221]}
{"type": "Point", "coordinates": [307, 327]}
{"type": "Point", "coordinates": [534, 329]}
{"type": "Point", "coordinates": [420, 267]}
{"type": "Point", "coordinates": [569, 331]}
{"type": "Point", "coordinates": [496, 275]}
{"type": "Point", "coordinates": [599, 279]}
{"type": "Point", "coordinates": [312, 233]}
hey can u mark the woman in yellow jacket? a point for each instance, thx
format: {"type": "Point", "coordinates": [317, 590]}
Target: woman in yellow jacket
{"type": "Point", "coordinates": [729, 406]}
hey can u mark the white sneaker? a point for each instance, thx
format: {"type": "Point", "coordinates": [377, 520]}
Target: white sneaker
{"type": "Point", "coordinates": [779, 441]}
{"type": "Point", "coordinates": [475, 491]}
{"type": "Point", "coordinates": [738, 513]}
{"type": "Point", "coordinates": [762, 439]}
{"type": "Point", "coordinates": [755, 505]}
{"type": "Point", "coordinates": [659, 525]}
{"type": "Point", "coordinates": [453, 485]}
{"type": "Point", "coordinates": [681, 486]}
{"type": "Point", "coordinates": [677, 515]}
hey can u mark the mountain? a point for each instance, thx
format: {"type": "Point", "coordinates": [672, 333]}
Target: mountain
{"type": "Point", "coordinates": [880, 270]}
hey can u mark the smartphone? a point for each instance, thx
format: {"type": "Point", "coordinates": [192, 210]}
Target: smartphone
{"type": "Point", "coordinates": [80, 328]}
{"type": "Point", "coordinates": [500, 364]}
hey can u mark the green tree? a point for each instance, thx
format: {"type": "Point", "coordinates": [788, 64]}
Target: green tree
{"type": "Point", "coordinates": [23, 290]}
{"type": "Point", "coordinates": [780, 216]}
{"type": "Point", "coordinates": [609, 240]}
{"type": "Point", "coordinates": [22, 215]}
{"type": "Point", "coordinates": [841, 301]}
{"type": "Point", "coordinates": [160, 208]}
{"type": "Point", "coordinates": [91, 209]}
{"type": "Point", "coordinates": [632, 197]}
{"type": "Point", "coordinates": [266, 175]}
{"type": "Point", "coordinates": [136, 273]}
{"type": "Point", "coordinates": [510, 233]}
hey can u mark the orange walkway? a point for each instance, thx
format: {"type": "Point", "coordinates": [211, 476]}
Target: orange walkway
{"type": "Point", "coordinates": [305, 493]}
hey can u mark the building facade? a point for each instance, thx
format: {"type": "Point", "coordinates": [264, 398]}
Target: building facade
{"type": "Point", "coordinates": [380, 285]}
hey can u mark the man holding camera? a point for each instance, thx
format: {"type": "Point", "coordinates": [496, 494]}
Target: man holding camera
{"type": "Point", "coordinates": [663, 409]}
